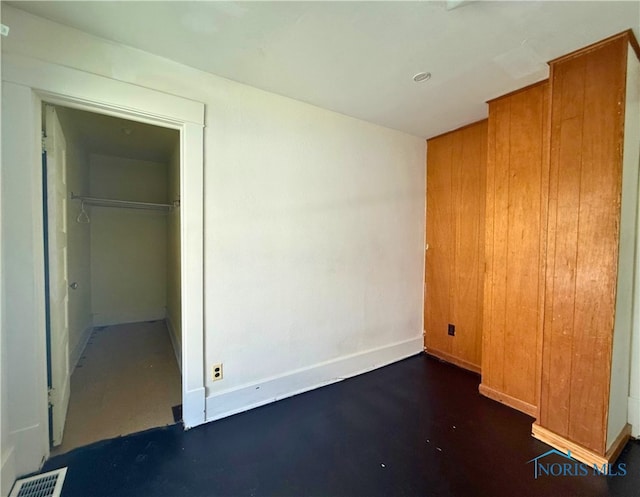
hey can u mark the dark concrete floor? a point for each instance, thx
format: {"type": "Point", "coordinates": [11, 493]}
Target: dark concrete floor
{"type": "Point", "coordinates": [415, 428]}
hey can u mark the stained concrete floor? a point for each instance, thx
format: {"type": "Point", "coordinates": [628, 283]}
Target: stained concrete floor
{"type": "Point", "coordinates": [414, 428]}
{"type": "Point", "coordinates": [126, 381]}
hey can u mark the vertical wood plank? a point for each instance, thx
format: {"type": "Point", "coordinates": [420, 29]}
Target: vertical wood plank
{"type": "Point", "coordinates": [544, 249]}
{"type": "Point", "coordinates": [457, 145]}
{"type": "Point", "coordinates": [480, 253]}
{"type": "Point", "coordinates": [523, 247]}
{"type": "Point", "coordinates": [500, 232]}
{"type": "Point", "coordinates": [566, 165]}
{"type": "Point", "coordinates": [491, 345]}
{"type": "Point", "coordinates": [469, 242]}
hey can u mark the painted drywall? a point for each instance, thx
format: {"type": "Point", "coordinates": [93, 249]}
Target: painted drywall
{"type": "Point", "coordinates": [7, 470]}
{"type": "Point", "coordinates": [631, 161]}
{"type": "Point", "coordinates": [78, 247]}
{"type": "Point", "coordinates": [174, 304]}
{"type": "Point", "coordinates": [7, 467]}
{"type": "Point", "coordinates": [313, 240]}
{"type": "Point", "coordinates": [23, 330]}
{"type": "Point", "coordinates": [314, 225]}
{"type": "Point", "coordinates": [619, 391]}
{"type": "Point", "coordinates": [128, 246]}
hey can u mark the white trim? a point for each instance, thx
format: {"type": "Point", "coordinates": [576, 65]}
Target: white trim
{"type": "Point", "coordinates": [24, 319]}
{"type": "Point", "coordinates": [78, 350]}
{"type": "Point", "coordinates": [78, 89]}
{"type": "Point", "coordinates": [86, 91]}
{"type": "Point", "coordinates": [229, 402]}
{"type": "Point", "coordinates": [175, 341]}
{"type": "Point", "coordinates": [192, 274]}
{"type": "Point", "coordinates": [634, 416]}
{"type": "Point", "coordinates": [123, 317]}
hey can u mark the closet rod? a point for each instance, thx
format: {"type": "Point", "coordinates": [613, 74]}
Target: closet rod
{"type": "Point", "coordinates": [107, 202]}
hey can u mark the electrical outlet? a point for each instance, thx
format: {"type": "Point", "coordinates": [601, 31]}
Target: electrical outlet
{"type": "Point", "coordinates": [216, 372]}
{"type": "Point", "coordinates": [451, 330]}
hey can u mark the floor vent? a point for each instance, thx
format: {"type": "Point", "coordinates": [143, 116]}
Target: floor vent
{"type": "Point", "coordinates": [44, 485]}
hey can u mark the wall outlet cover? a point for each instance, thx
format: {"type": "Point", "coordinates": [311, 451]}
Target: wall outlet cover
{"type": "Point", "coordinates": [216, 372]}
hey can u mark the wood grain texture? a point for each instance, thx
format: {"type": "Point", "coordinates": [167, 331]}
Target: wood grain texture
{"type": "Point", "coordinates": [516, 198]}
{"type": "Point", "coordinates": [456, 172]}
{"type": "Point", "coordinates": [579, 452]}
{"type": "Point", "coordinates": [626, 35]}
{"type": "Point", "coordinates": [587, 102]}
{"type": "Point", "coordinates": [453, 360]}
{"type": "Point", "coordinates": [439, 259]}
{"type": "Point", "coordinates": [508, 400]}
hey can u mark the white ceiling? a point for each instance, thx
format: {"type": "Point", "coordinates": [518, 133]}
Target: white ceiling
{"type": "Point", "coordinates": [358, 58]}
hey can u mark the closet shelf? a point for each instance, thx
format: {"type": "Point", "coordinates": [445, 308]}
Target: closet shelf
{"type": "Point", "coordinates": [125, 204]}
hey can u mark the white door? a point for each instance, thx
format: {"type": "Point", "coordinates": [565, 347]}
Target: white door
{"type": "Point", "coordinates": [56, 166]}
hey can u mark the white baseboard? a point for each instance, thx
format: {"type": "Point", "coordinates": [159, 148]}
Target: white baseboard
{"type": "Point", "coordinates": [634, 416]}
{"type": "Point", "coordinates": [78, 350]}
{"type": "Point", "coordinates": [176, 341]}
{"type": "Point", "coordinates": [111, 318]}
{"type": "Point", "coordinates": [7, 471]}
{"type": "Point", "coordinates": [227, 403]}
{"type": "Point", "coordinates": [193, 408]}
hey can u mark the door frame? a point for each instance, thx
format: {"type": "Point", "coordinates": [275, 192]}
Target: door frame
{"type": "Point", "coordinates": [77, 89]}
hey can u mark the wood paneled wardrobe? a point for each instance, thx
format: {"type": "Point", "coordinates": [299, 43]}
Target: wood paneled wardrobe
{"type": "Point", "coordinates": [593, 198]}
{"type": "Point", "coordinates": [531, 242]}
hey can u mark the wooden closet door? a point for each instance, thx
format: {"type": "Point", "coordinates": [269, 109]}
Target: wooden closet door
{"type": "Point", "coordinates": [456, 170]}
{"type": "Point", "coordinates": [439, 256]}
{"type": "Point", "coordinates": [517, 183]}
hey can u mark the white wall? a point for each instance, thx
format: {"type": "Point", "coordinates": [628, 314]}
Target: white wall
{"type": "Point", "coordinates": [633, 127]}
{"type": "Point", "coordinates": [634, 386]}
{"type": "Point", "coordinates": [7, 472]}
{"type": "Point", "coordinates": [314, 226]}
{"type": "Point", "coordinates": [174, 304]}
{"type": "Point", "coordinates": [78, 246]}
{"type": "Point", "coordinates": [620, 395]}
{"type": "Point", "coordinates": [313, 241]}
{"type": "Point", "coordinates": [7, 466]}
{"type": "Point", "coordinates": [128, 246]}
{"type": "Point", "coordinates": [24, 406]}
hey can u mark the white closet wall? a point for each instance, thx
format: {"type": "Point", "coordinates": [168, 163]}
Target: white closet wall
{"type": "Point", "coordinates": [128, 246]}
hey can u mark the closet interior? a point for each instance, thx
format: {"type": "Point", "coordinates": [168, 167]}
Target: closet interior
{"type": "Point", "coordinates": [122, 229]}
{"type": "Point", "coordinates": [553, 240]}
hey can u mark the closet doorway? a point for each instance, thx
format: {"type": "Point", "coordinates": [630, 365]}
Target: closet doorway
{"type": "Point", "coordinates": [113, 277]}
